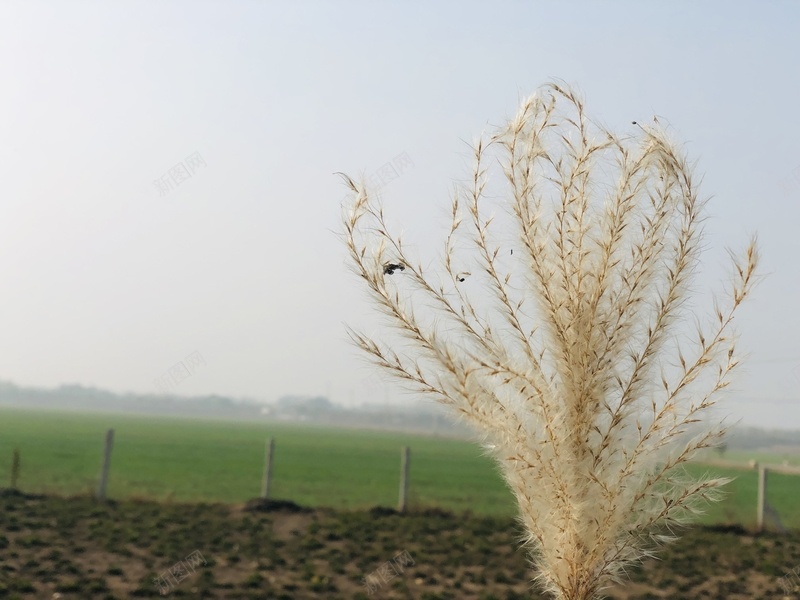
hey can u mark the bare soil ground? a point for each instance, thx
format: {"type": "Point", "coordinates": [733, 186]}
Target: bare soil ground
{"type": "Point", "coordinates": [76, 548]}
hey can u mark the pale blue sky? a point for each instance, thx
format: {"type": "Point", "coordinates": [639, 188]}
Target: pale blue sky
{"type": "Point", "coordinates": [106, 282]}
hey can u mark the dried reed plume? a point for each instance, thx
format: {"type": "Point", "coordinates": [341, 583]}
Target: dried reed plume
{"type": "Point", "coordinates": [576, 356]}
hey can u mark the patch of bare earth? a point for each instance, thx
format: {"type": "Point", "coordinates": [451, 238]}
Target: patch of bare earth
{"type": "Point", "coordinates": [54, 547]}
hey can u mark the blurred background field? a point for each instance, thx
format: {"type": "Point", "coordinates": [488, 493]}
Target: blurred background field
{"type": "Point", "coordinates": [187, 460]}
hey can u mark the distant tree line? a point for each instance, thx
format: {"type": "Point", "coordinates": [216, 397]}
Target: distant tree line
{"type": "Point", "coordinates": [416, 416]}
{"type": "Point", "coordinates": [424, 417]}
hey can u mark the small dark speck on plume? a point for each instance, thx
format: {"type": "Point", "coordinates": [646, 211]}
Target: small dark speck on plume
{"type": "Point", "coordinates": [390, 268]}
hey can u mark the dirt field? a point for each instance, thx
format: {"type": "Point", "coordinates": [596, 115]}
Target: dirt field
{"type": "Point", "coordinates": [76, 548]}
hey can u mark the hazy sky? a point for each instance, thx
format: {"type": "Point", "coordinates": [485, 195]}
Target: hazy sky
{"type": "Point", "coordinates": [106, 280]}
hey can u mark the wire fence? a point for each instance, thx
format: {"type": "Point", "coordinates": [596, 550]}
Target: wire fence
{"type": "Point", "coordinates": [766, 515]}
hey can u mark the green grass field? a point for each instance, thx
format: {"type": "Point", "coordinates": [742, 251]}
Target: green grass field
{"type": "Point", "coordinates": [219, 461]}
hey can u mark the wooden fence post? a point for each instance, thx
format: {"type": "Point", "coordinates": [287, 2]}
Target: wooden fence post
{"type": "Point", "coordinates": [101, 486]}
{"type": "Point", "coordinates": [762, 497]}
{"type": "Point", "coordinates": [15, 466]}
{"type": "Point", "coordinates": [270, 450]}
{"type": "Point", "coordinates": [405, 459]}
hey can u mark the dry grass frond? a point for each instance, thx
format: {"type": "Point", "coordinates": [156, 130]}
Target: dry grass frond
{"type": "Point", "coordinates": [570, 360]}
